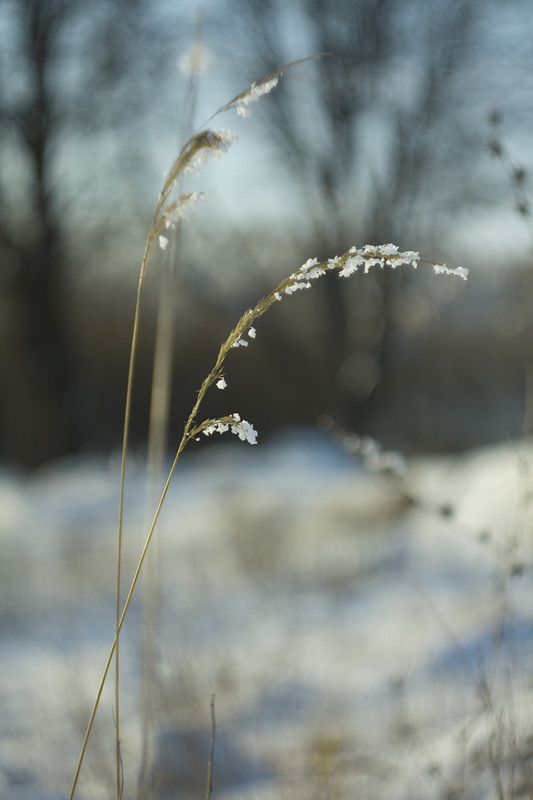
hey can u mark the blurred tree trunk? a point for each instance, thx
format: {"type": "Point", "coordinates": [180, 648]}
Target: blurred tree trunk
{"type": "Point", "coordinates": [70, 72]}
{"type": "Point", "coordinates": [35, 368]}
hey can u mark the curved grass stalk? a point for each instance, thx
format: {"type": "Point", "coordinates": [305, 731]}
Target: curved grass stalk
{"type": "Point", "coordinates": [350, 262]}
{"type": "Point", "coordinates": [197, 148]}
{"type": "Point", "coordinates": [202, 145]}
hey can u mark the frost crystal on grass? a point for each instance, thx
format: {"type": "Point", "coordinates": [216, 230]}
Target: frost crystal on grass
{"type": "Point", "coordinates": [365, 257]}
{"type": "Point", "coordinates": [244, 430]}
{"type": "Point", "coordinates": [353, 262]}
{"type": "Point", "coordinates": [311, 262]}
{"type": "Point", "coordinates": [373, 256]}
{"type": "Point", "coordinates": [253, 94]}
{"type": "Point", "coordinates": [177, 210]}
{"type": "Point", "coordinates": [240, 427]}
{"type": "Point", "coordinates": [216, 427]}
{"type": "Point", "coordinates": [389, 249]}
{"type": "Point", "coordinates": [294, 287]}
{"type": "Point", "coordinates": [442, 269]}
{"type": "Point", "coordinates": [209, 144]}
{"type": "Point", "coordinates": [220, 141]}
{"type": "Point", "coordinates": [412, 257]}
{"type": "Point", "coordinates": [314, 273]}
{"type": "Point", "coordinates": [163, 242]}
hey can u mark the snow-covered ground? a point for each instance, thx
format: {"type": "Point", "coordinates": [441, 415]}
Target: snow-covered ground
{"type": "Point", "coordinates": [363, 635]}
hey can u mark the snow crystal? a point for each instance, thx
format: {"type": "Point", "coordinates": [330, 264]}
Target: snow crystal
{"type": "Point", "coordinates": [294, 287]}
{"type": "Point", "coordinates": [352, 264]}
{"type": "Point", "coordinates": [314, 273]}
{"type": "Point", "coordinates": [179, 210]}
{"type": "Point", "coordinates": [442, 269]}
{"type": "Point", "coordinates": [218, 143]}
{"type": "Point", "coordinates": [311, 262]}
{"type": "Point", "coordinates": [244, 430]}
{"type": "Point", "coordinates": [253, 94]}
{"type": "Point", "coordinates": [388, 249]}
{"type": "Point", "coordinates": [216, 427]}
{"type": "Point", "coordinates": [240, 427]}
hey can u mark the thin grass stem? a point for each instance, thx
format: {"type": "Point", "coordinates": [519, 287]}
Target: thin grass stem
{"type": "Point", "coordinates": [345, 264]}
{"type": "Point", "coordinates": [123, 462]}
{"type": "Point", "coordinates": [204, 144]}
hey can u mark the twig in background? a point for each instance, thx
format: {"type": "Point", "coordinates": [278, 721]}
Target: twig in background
{"type": "Point", "coordinates": [210, 764]}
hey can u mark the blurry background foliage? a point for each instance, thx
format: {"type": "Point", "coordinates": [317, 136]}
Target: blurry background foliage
{"type": "Point", "coordinates": [384, 139]}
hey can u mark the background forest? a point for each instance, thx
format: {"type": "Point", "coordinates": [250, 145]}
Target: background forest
{"type": "Point", "coordinates": [414, 129]}
{"type": "Point", "coordinates": [362, 619]}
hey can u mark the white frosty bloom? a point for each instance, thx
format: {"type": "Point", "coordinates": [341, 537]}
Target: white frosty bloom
{"type": "Point", "coordinates": [251, 333]}
{"type": "Point", "coordinates": [388, 249]}
{"type": "Point", "coordinates": [221, 384]}
{"type": "Point", "coordinates": [240, 343]}
{"type": "Point", "coordinates": [163, 242]}
{"type": "Point", "coordinates": [218, 143]}
{"type": "Point", "coordinates": [240, 427]}
{"type": "Point", "coordinates": [294, 287]}
{"type": "Point", "coordinates": [334, 262]}
{"type": "Point", "coordinates": [411, 257]}
{"type": "Point", "coordinates": [373, 262]}
{"type": "Point", "coordinates": [373, 256]}
{"type": "Point", "coordinates": [315, 272]}
{"type": "Point", "coordinates": [442, 269]}
{"type": "Point", "coordinates": [307, 272]}
{"type": "Point", "coordinates": [179, 209]}
{"type": "Point", "coordinates": [353, 262]}
{"type": "Point", "coordinates": [311, 262]}
{"type": "Point", "coordinates": [244, 430]}
{"type": "Point", "coordinates": [253, 94]}
{"type": "Point", "coordinates": [216, 427]}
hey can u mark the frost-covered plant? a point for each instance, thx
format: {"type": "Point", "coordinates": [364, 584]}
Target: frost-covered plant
{"type": "Point", "coordinates": [347, 264]}
{"type": "Point", "coordinates": [209, 143]}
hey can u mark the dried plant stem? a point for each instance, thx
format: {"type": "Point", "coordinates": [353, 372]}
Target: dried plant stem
{"type": "Point", "coordinates": [123, 460]}
{"type": "Point", "coordinates": [189, 432]}
{"type": "Point", "coordinates": [346, 264]}
{"type": "Point", "coordinates": [162, 216]}
{"type": "Point", "coordinates": [204, 143]}
{"type": "Point", "coordinates": [201, 144]}
{"type": "Point", "coordinates": [121, 622]}
{"type": "Point", "coordinates": [127, 417]}
{"type": "Point", "coordinates": [210, 144]}
{"type": "Point", "coordinates": [210, 764]}
{"type": "Point", "coordinates": [157, 439]}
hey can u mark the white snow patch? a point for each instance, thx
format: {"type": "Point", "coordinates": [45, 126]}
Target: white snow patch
{"type": "Point", "coordinates": [336, 624]}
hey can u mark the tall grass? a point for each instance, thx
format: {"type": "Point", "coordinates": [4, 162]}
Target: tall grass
{"type": "Point", "coordinates": [172, 206]}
